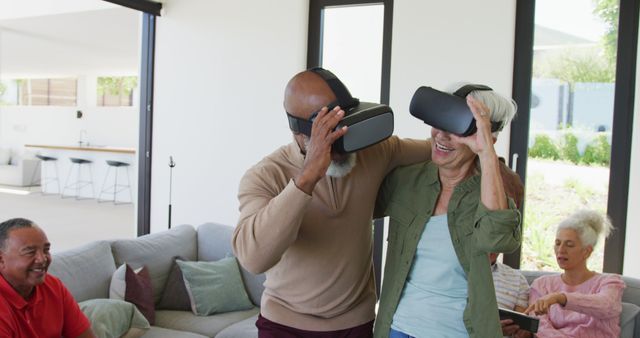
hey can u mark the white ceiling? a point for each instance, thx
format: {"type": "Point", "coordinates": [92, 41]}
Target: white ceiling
{"type": "Point", "coordinates": [75, 41]}
{"type": "Point", "coordinates": [14, 9]}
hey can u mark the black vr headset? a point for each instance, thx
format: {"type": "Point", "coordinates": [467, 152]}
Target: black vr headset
{"type": "Point", "coordinates": [448, 112]}
{"type": "Point", "coordinates": [369, 123]}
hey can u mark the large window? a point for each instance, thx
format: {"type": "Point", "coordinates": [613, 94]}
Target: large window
{"type": "Point", "coordinates": [39, 92]}
{"type": "Point", "coordinates": [569, 142]}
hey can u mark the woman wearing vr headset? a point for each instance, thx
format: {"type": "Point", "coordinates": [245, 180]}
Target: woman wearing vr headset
{"type": "Point", "coordinates": [446, 215]}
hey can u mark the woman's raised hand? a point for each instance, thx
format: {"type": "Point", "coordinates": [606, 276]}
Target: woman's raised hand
{"type": "Point", "coordinates": [482, 141]}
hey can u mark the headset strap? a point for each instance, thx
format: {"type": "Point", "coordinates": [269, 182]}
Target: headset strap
{"type": "Point", "coordinates": [344, 98]}
{"type": "Point", "coordinates": [466, 89]}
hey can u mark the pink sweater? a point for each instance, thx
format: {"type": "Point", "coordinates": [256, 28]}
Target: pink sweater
{"type": "Point", "coordinates": [592, 309]}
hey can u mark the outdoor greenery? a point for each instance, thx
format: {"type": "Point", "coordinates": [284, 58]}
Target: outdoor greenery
{"type": "Point", "coordinates": [597, 152]}
{"type": "Point", "coordinates": [3, 89]}
{"type": "Point", "coordinates": [116, 85]}
{"type": "Point", "coordinates": [547, 205]}
{"type": "Point", "coordinates": [573, 66]}
{"type": "Point", "coordinates": [544, 147]}
{"type": "Point", "coordinates": [569, 148]}
{"type": "Point", "coordinates": [116, 90]}
{"type": "Point", "coordinates": [608, 11]}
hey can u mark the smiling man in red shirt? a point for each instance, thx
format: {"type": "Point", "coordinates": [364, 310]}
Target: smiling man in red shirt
{"type": "Point", "coordinates": [34, 303]}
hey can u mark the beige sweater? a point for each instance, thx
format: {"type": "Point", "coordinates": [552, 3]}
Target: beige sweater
{"type": "Point", "coordinates": [316, 250]}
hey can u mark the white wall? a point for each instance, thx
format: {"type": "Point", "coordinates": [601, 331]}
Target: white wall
{"type": "Point", "coordinates": [437, 43]}
{"type": "Point", "coordinates": [12, 9]}
{"type": "Point", "coordinates": [631, 248]}
{"type": "Point", "coordinates": [221, 69]}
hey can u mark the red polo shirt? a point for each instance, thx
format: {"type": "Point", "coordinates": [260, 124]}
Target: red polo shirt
{"type": "Point", "coordinates": [50, 312]}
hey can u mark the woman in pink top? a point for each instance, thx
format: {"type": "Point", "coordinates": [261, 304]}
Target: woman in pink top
{"type": "Point", "coordinates": [578, 302]}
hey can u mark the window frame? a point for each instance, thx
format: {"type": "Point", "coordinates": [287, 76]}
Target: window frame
{"type": "Point", "coordinates": [150, 10]}
{"type": "Point", "coordinates": [314, 59]}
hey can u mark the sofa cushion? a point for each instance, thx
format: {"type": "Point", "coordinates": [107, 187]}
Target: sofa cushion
{"type": "Point", "coordinates": [86, 271]}
{"type": "Point", "coordinates": [175, 296]}
{"type": "Point", "coordinates": [119, 283]}
{"type": "Point", "coordinates": [208, 326]}
{"type": "Point", "coordinates": [159, 332]}
{"type": "Point", "coordinates": [134, 286]}
{"type": "Point", "coordinates": [114, 318]}
{"type": "Point", "coordinates": [214, 243]}
{"type": "Point", "coordinates": [156, 251]}
{"type": "Point", "coordinates": [215, 287]}
{"type": "Point", "coordinates": [242, 329]}
{"type": "Point", "coordinates": [139, 292]}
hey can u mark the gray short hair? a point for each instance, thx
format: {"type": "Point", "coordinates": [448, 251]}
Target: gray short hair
{"type": "Point", "coordinates": [501, 108]}
{"type": "Point", "coordinates": [14, 223]}
{"type": "Point", "coordinates": [589, 224]}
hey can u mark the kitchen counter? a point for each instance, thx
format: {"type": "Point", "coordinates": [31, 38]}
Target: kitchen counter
{"type": "Point", "coordinates": [85, 148]}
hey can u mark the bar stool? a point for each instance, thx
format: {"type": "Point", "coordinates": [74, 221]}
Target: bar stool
{"type": "Point", "coordinates": [45, 179]}
{"type": "Point", "coordinates": [116, 188]}
{"type": "Point", "coordinates": [79, 182]}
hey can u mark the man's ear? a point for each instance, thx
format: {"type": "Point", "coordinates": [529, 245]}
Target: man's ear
{"type": "Point", "coordinates": [495, 139]}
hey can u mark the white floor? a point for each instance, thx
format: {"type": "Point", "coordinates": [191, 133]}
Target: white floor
{"type": "Point", "coordinates": [68, 222]}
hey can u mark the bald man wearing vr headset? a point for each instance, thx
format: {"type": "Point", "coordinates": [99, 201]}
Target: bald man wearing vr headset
{"type": "Point", "coordinates": [306, 211]}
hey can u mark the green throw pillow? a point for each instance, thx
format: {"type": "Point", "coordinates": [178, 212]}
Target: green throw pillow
{"type": "Point", "coordinates": [112, 318]}
{"type": "Point", "coordinates": [215, 287]}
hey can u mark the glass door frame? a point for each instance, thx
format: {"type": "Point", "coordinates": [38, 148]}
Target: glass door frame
{"type": "Point", "coordinates": [314, 59]}
{"type": "Point", "coordinates": [622, 128]}
{"type": "Point", "coordinates": [150, 11]}
{"type": "Point", "coordinates": [314, 44]}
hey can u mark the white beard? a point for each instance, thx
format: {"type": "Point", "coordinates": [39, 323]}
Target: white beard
{"type": "Point", "coordinates": [342, 168]}
{"type": "Point", "coordinates": [337, 169]}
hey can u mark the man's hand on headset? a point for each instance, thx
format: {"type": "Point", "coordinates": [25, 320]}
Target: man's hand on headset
{"type": "Point", "coordinates": [318, 149]}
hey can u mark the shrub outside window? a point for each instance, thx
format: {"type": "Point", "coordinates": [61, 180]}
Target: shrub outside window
{"type": "Point", "coordinates": [116, 90]}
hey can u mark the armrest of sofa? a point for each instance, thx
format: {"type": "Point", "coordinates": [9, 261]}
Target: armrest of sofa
{"type": "Point", "coordinates": [628, 320]}
{"type": "Point", "coordinates": [20, 172]}
{"type": "Point", "coordinates": [631, 295]}
{"type": "Point", "coordinates": [30, 169]}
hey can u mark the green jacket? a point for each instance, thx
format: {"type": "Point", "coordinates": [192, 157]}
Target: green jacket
{"type": "Point", "coordinates": [409, 195]}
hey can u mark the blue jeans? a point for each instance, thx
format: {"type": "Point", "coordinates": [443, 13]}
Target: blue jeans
{"type": "Point", "coordinates": [397, 334]}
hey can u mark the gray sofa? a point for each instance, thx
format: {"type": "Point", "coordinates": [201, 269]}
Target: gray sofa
{"type": "Point", "coordinates": [630, 317]}
{"type": "Point", "coordinates": [20, 172]}
{"type": "Point", "coordinates": [87, 272]}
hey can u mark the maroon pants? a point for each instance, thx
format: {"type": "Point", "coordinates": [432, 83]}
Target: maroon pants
{"type": "Point", "coordinates": [269, 329]}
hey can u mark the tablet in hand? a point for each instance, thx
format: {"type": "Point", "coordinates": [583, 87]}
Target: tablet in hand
{"type": "Point", "coordinates": [525, 322]}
